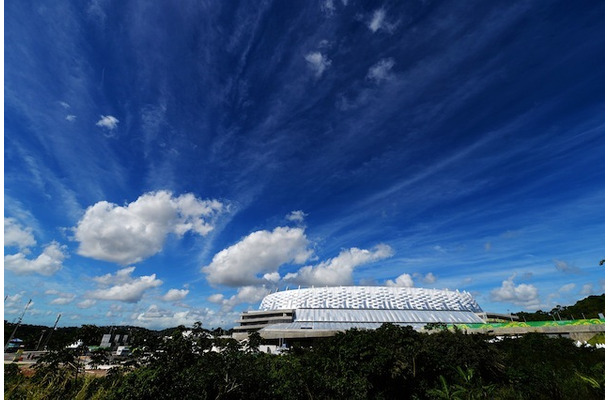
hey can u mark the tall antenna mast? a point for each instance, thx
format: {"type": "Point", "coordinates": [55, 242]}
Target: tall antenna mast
{"type": "Point", "coordinates": [51, 333]}
{"type": "Point", "coordinates": [17, 326]}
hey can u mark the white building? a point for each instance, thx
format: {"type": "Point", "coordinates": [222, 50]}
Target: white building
{"type": "Point", "coordinates": [320, 312]}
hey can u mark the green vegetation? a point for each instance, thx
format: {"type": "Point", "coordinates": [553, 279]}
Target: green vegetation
{"type": "Point", "coordinates": [586, 308]}
{"type": "Point", "coordinates": [391, 362]}
{"type": "Point", "coordinates": [388, 363]}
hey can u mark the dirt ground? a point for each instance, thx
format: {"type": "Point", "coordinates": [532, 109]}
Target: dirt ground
{"type": "Point", "coordinates": [28, 371]}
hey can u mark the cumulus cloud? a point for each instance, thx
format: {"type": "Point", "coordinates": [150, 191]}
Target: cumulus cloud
{"type": "Point", "coordinates": [87, 303]}
{"type": "Point", "coordinates": [338, 270]}
{"type": "Point", "coordinates": [107, 121]}
{"type": "Point", "coordinates": [296, 216]}
{"type": "Point", "coordinates": [381, 71]}
{"type": "Point", "coordinates": [403, 280]}
{"type": "Point", "coordinates": [245, 294]}
{"type": "Point", "coordinates": [12, 301]}
{"type": "Point", "coordinates": [47, 263]}
{"type": "Point", "coordinates": [260, 252]}
{"type": "Point", "coordinates": [564, 266]}
{"type": "Point", "coordinates": [124, 287]}
{"type": "Point", "coordinates": [216, 298]}
{"type": "Point", "coordinates": [16, 235]}
{"type": "Point", "coordinates": [64, 298]}
{"type": "Point", "coordinates": [272, 277]}
{"type": "Point", "coordinates": [156, 317]}
{"type": "Point", "coordinates": [175, 294]}
{"type": "Point", "coordinates": [318, 62]}
{"type": "Point", "coordinates": [138, 230]}
{"type": "Point", "coordinates": [429, 278]}
{"type": "Point", "coordinates": [523, 295]}
{"type": "Point", "coordinates": [120, 277]}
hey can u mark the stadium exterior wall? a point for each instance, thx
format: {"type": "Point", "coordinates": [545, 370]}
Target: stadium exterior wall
{"type": "Point", "coordinates": [319, 312]}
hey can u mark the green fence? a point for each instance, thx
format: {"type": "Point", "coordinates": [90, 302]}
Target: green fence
{"type": "Point", "coordinates": [521, 324]}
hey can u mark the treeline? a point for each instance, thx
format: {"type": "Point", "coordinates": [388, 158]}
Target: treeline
{"type": "Point", "coordinates": [589, 307]}
{"type": "Point", "coordinates": [34, 336]}
{"type": "Point", "coordinates": [388, 363]}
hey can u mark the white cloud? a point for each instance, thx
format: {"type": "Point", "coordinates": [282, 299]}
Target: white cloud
{"type": "Point", "coordinates": [260, 252]}
{"type": "Point", "coordinates": [381, 71]}
{"type": "Point", "coordinates": [404, 280]}
{"type": "Point", "coordinates": [216, 298]}
{"type": "Point", "coordinates": [16, 235]}
{"type": "Point", "coordinates": [245, 294]}
{"type": "Point", "coordinates": [523, 295]}
{"type": "Point", "coordinates": [318, 62]}
{"type": "Point", "coordinates": [272, 277]}
{"type": "Point", "coordinates": [564, 266]}
{"type": "Point", "coordinates": [125, 288]}
{"type": "Point", "coordinates": [12, 301]}
{"type": "Point", "coordinates": [377, 20]}
{"type": "Point", "coordinates": [156, 317]}
{"type": "Point", "coordinates": [338, 270]}
{"type": "Point", "coordinates": [64, 298]}
{"type": "Point", "coordinates": [587, 289]}
{"type": "Point", "coordinates": [429, 278]}
{"type": "Point", "coordinates": [296, 216]}
{"type": "Point", "coordinates": [87, 303]}
{"type": "Point", "coordinates": [47, 263]}
{"type": "Point", "coordinates": [64, 104]}
{"type": "Point", "coordinates": [70, 117]}
{"type": "Point", "coordinates": [134, 232]}
{"type": "Point", "coordinates": [175, 294]}
{"type": "Point", "coordinates": [14, 298]}
{"type": "Point", "coordinates": [107, 121]}
{"type": "Point", "coordinates": [566, 288]}
{"type": "Point", "coordinates": [122, 276]}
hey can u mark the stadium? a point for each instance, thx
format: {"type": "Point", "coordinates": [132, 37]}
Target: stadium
{"type": "Point", "coordinates": [324, 311]}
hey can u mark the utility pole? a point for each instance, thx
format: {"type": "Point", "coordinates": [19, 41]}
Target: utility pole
{"type": "Point", "coordinates": [17, 326]}
{"type": "Point", "coordinates": [51, 333]}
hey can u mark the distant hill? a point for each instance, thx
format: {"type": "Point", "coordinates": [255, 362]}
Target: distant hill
{"type": "Point", "coordinates": [589, 307]}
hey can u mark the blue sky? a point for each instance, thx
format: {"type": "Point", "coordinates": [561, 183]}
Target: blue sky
{"type": "Point", "coordinates": [165, 165]}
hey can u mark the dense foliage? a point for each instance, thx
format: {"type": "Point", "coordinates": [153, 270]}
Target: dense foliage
{"type": "Point", "coordinates": [589, 307]}
{"type": "Point", "coordinates": [388, 363]}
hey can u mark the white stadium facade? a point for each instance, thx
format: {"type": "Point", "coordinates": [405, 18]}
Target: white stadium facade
{"type": "Point", "coordinates": [324, 311]}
